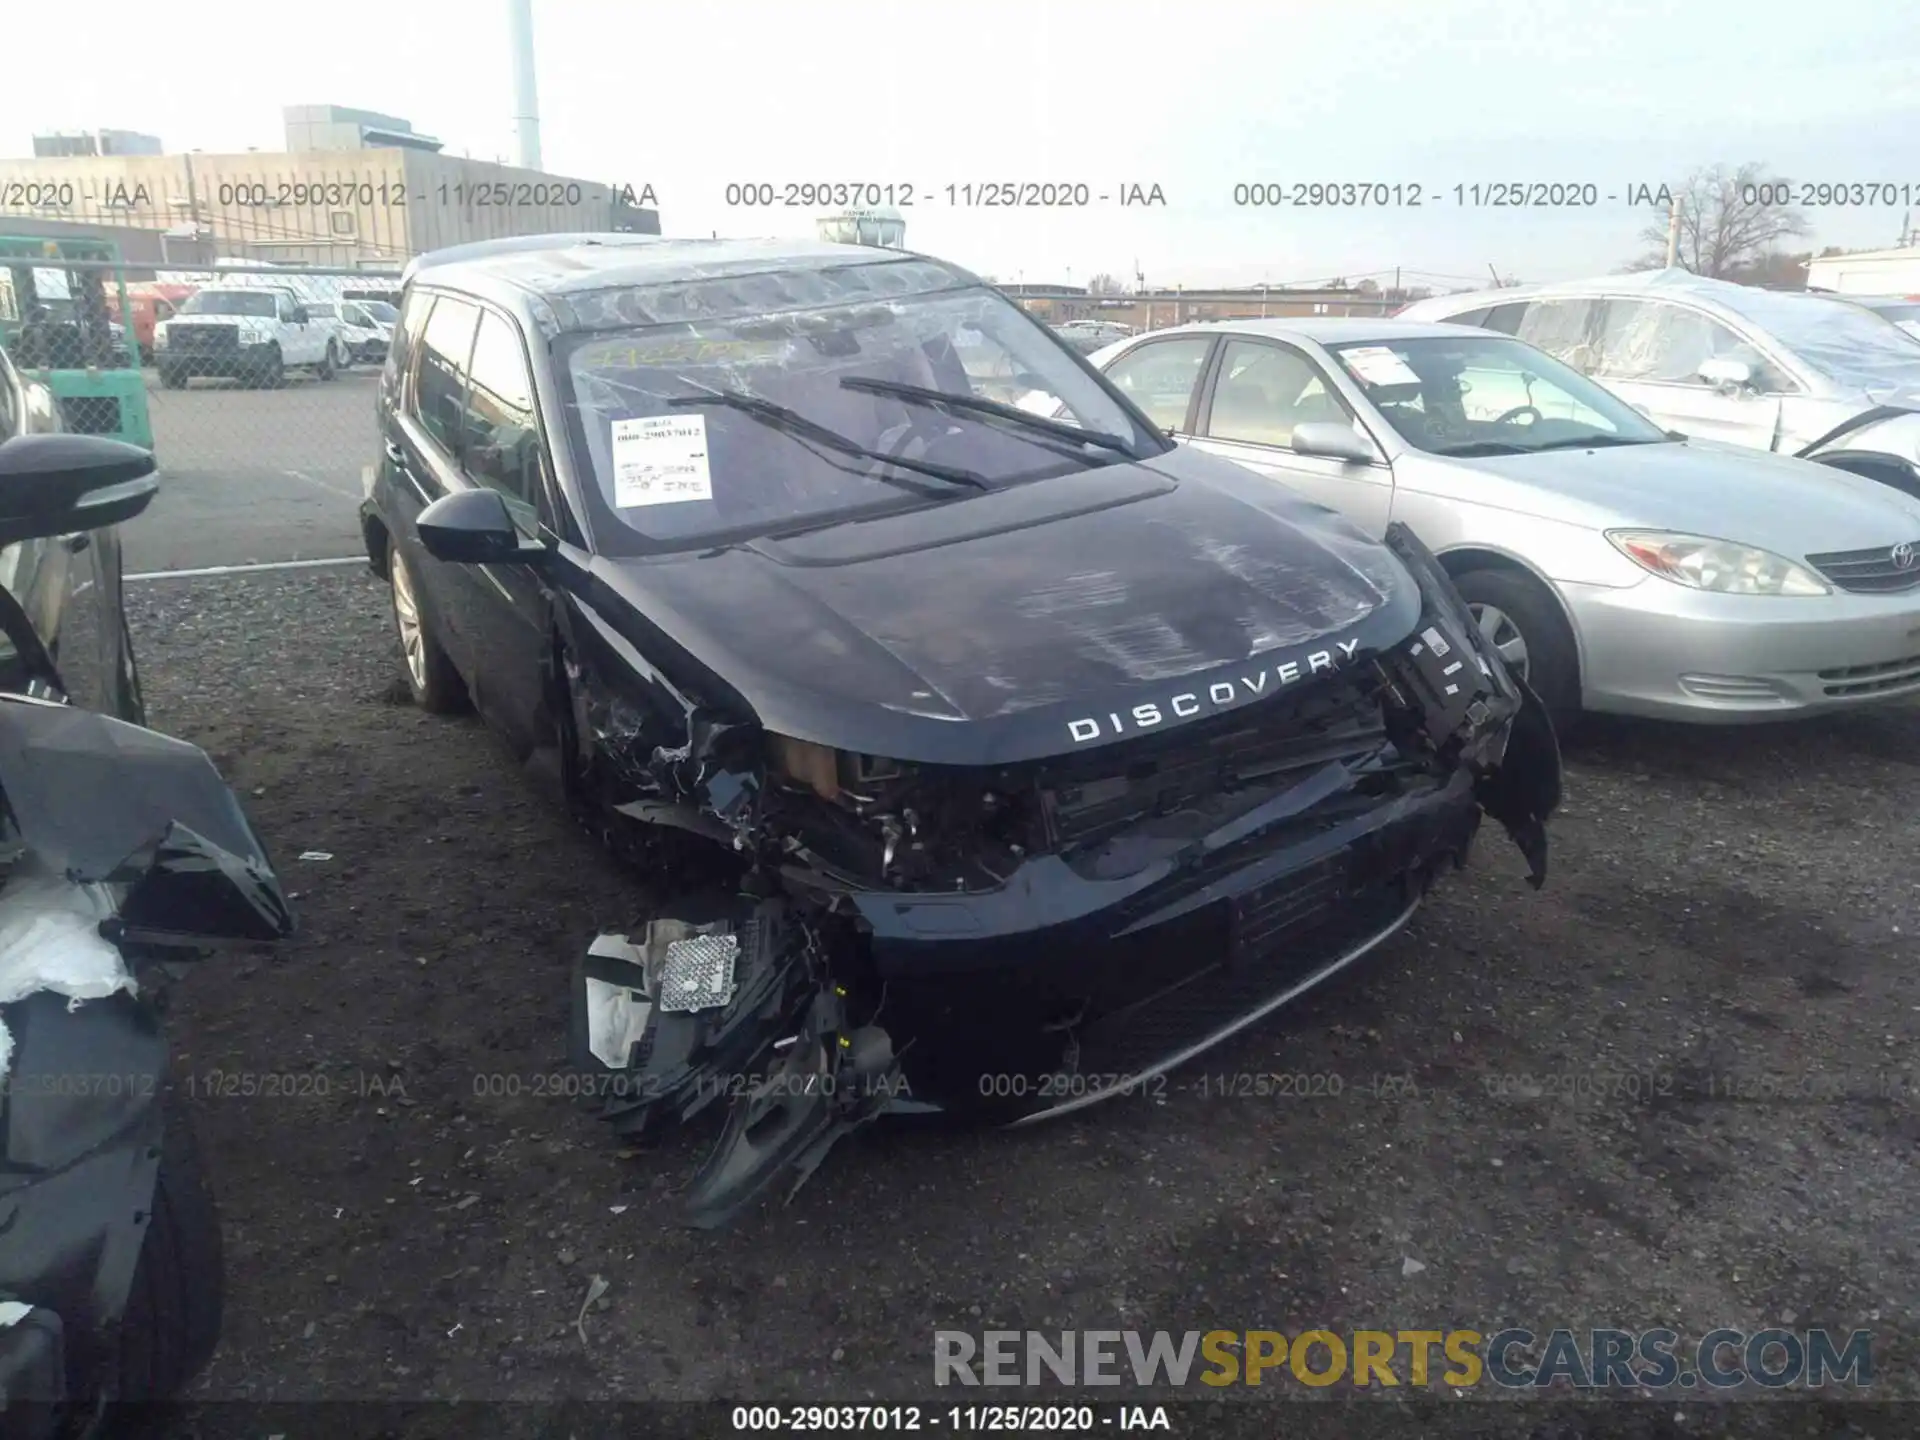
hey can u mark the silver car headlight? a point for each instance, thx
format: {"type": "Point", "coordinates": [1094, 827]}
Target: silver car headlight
{"type": "Point", "coordinates": [1702, 563]}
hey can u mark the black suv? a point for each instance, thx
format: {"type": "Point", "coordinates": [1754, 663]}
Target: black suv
{"type": "Point", "coordinates": [997, 760]}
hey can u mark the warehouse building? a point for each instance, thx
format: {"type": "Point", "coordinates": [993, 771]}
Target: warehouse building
{"type": "Point", "coordinates": [353, 189]}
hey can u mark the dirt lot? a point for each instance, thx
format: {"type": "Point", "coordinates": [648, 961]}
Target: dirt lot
{"type": "Point", "coordinates": [1729, 911]}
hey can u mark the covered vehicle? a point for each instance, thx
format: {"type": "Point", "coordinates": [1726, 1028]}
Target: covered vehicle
{"type": "Point", "coordinates": [120, 850]}
{"type": "Point", "coordinates": [1794, 372]}
{"type": "Point", "coordinates": [1902, 310]}
{"type": "Point", "coordinates": [1001, 763]}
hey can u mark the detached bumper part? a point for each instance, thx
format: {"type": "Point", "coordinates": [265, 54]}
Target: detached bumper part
{"type": "Point", "coordinates": [736, 1007]}
{"type": "Point", "coordinates": [1473, 709]}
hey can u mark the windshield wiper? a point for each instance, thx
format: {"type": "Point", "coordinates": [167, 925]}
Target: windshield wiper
{"type": "Point", "coordinates": [1593, 442]}
{"type": "Point", "coordinates": [794, 423]}
{"type": "Point", "coordinates": [979, 405]}
{"type": "Point", "coordinates": [1483, 447]}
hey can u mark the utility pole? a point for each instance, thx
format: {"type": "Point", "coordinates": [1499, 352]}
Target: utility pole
{"type": "Point", "coordinates": [526, 100]}
{"type": "Point", "coordinates": [1496, 276]}
{"type": "Point", "coordinates": [1673, 231]}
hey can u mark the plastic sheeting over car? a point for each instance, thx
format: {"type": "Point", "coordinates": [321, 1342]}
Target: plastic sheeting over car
{"type": "Point", "coordinates": [1851, 347]}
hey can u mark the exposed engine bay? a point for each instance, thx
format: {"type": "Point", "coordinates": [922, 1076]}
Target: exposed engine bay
{"type": "Point", "coordinates": [878, 935]}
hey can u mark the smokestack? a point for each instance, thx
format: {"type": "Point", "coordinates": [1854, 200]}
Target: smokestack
{"type": "Point", "coordinates": [526, 100]}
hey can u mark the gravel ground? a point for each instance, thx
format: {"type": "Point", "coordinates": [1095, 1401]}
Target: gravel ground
{"type": "Point", "coordinates": [1720, 971]}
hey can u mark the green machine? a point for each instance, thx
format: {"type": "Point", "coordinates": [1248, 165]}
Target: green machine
{"type": "Point", "coordinates": [57, 328]}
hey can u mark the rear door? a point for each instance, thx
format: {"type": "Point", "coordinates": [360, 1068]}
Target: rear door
{"type": "Point", "coordinates": [1261, 389]}
{"type": "Point", "coordinates": [422, 449]}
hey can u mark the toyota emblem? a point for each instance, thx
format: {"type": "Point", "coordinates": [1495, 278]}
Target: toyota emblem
{"type": "Point", "coordinates": [1903, 556]}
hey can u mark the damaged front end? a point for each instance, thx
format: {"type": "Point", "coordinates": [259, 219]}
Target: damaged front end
{"type": "Point", "coordinates": [119, 848]}
{"type": "Point", "coordinates": [1025, 939]}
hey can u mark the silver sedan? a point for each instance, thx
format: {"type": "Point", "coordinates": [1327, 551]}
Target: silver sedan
{"type": "Point", "coordinates": [1618, 567]}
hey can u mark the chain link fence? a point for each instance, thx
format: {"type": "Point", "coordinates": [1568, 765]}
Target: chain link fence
{"type": "Point", "coordinates": [254, 386]}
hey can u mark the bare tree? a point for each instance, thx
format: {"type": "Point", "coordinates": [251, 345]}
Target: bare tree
{"type": "Point", "coordinates": [1103, 284]}
{"type": "Point", "coordinates": [1730, 221]}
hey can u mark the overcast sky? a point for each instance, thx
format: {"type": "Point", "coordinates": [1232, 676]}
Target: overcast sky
{"type": "Point", "coordinates": [1193, 96]}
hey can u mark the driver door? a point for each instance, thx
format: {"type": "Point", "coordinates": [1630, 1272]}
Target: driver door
{"type": "Point", "coordinates": [303, 344]}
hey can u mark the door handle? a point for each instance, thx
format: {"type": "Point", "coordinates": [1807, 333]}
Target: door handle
{"type": "Point", "coordinates": [395, 453]}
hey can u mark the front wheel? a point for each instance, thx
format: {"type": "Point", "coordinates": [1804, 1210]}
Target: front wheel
{"type": "Point", "coordinates": [432, 680]}
{"type": "Point", "coordinates": [1520, 618]}
{"type": "Point", "coordinates": [270, 370]}
{"type": "Point", "coordinates": [172, 377]}
{"type": "Point", "coordinates": [331, 362]}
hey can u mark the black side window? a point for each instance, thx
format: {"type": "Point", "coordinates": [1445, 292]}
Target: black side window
{"type": "Point", "coordinates": [440, 383]}
{"type": "Point", "coordinates": [406, 336]}
{"type": "Point", "coordinates": [502, 446]}
{"type": "Point", "coordinates": [1505, 318]}
{"type": "Point", "coordinates": [1471, 317]}
{"type": "Point", "coordinates": [286, 304]}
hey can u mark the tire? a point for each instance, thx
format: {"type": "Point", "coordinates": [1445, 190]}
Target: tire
{"type": "Point", "coordinates": [172, 1320]}
{"type": "Point", "coordinates": [1518, 607]}
{"type": "Point", "coordinates": [270, 371]}
{"type": "Point", "coordinates": [171, 377]}
{"type": "Point", "coordinates": [432, 681]}
{"type": "Point", "coordinates": [328, 365]}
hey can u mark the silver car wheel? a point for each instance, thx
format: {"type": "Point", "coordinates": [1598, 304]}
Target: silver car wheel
{"type": "Point", "coordinates": [406, 619]}
{"type": "Point", "coordinates": [1503, 635]}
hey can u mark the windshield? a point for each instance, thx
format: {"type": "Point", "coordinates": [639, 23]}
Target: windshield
{"type": "Point", "coordinates": [380, 311]}
{"type": "Point", "coordinates": [667, 471]}
{"type": "Point", "coordinates": [1465, 395]}
{"type": "Point", "coordinates": [231, 302]}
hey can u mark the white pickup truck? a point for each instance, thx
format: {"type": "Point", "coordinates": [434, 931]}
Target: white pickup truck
{"type": "Point", "coordinates": [253, 334]}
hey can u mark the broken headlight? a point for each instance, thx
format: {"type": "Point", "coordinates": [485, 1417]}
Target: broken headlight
{"type": "Point", "coordinates": [869, 818]}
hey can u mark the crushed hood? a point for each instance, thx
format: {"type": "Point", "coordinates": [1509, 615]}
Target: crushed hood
{"type": "Point", "coordinates": [977, 631]}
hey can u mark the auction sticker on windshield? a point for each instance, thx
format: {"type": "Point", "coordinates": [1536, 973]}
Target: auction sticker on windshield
{"type": "Point", "coordinates": [660, 460]}
{"type": "Point", "coordinates": [1377, 365]}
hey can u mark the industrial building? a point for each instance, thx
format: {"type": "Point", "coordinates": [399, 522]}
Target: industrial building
{"type": "Point", "coordinates": [1867, 272]}
{"type": "Point", "coordinates": [96, 142]}
{"type": "Point", "coordinates": [353, 188]}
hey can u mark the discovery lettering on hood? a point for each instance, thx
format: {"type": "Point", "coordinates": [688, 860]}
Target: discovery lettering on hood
{"type": "Point", "coordinates": [1217, 696]}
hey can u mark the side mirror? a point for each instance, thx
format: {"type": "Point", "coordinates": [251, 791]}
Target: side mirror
{"type": "Point", "coordinates": [1726, 375]}
{"type": "Point", "coordinates": [300, 315]}
{"type": "Point", "coordinates": [474, 527]}
{"type": "Point", "coordinates": [63, 484]}
{"type": "Point", "coordinates": [1332, 441]}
